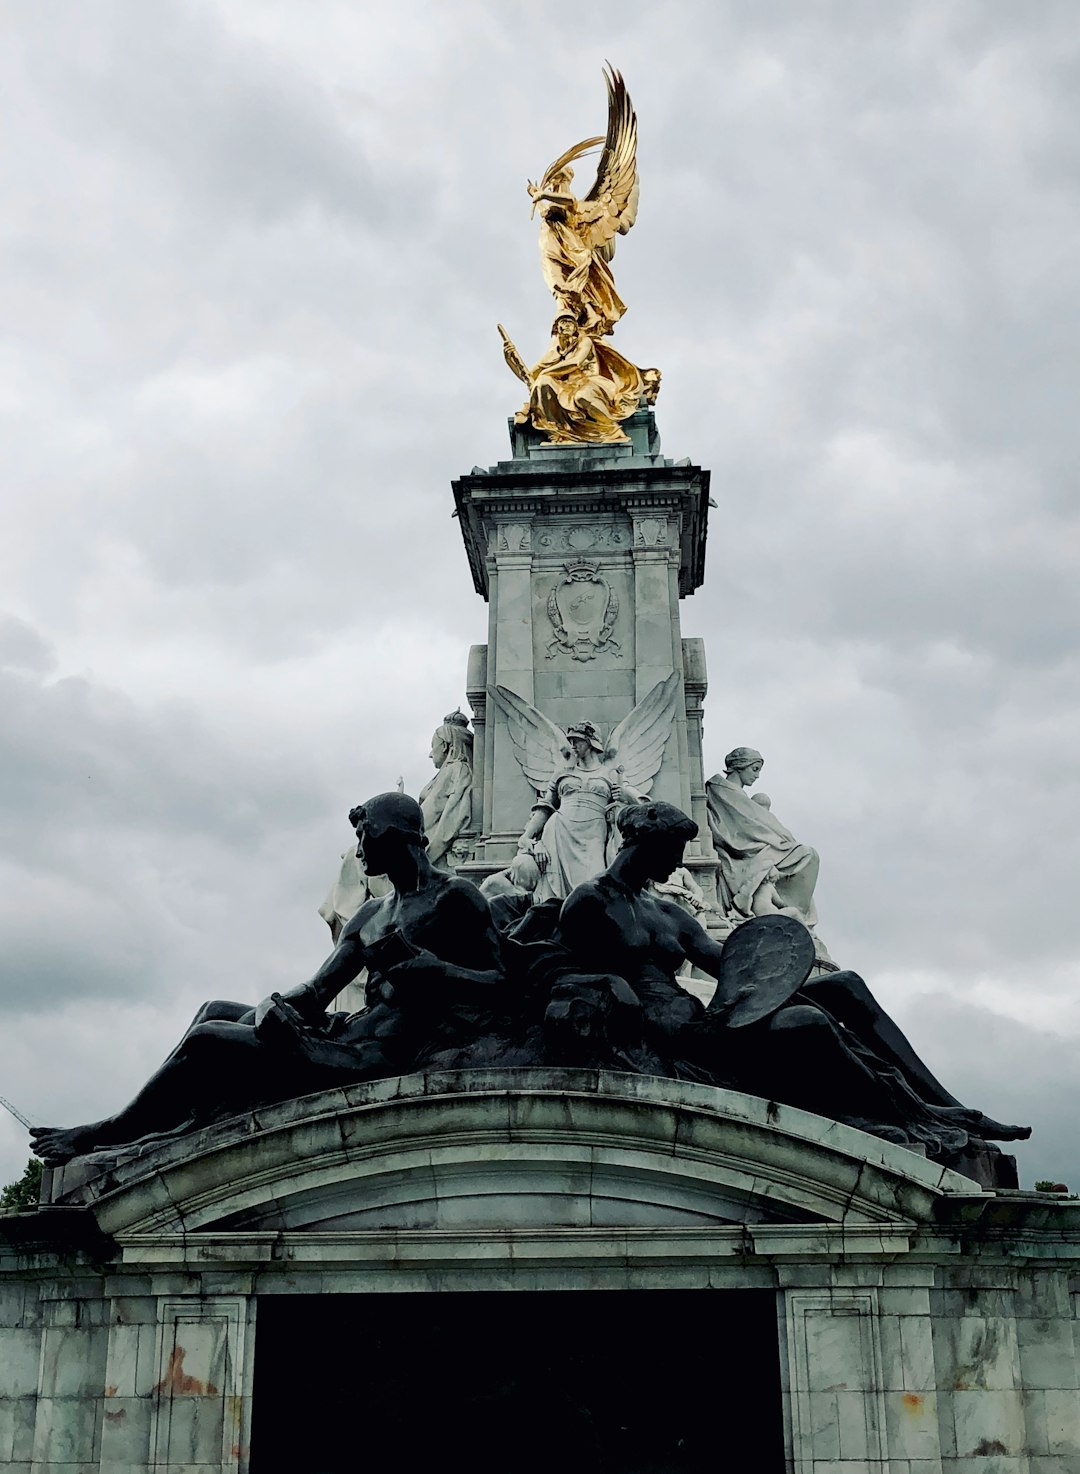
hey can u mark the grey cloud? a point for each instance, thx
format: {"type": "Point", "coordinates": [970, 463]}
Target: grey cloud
{"type": "Point", "coordinates": [990, 1062]}
{"type": "Point", "coordinates": [231, 122]}
{"type": "Point", "coordinates": [23, 648]}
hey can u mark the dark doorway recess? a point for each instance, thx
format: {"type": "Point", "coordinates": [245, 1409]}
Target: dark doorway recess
{"type": "Point", "coordinates": [532, 1382]}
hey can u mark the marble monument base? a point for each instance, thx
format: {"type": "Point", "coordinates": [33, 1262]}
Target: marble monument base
{"type": "Point", "coordinates": [918, 1324]}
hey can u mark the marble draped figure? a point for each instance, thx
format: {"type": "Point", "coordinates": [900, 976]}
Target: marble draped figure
{"type": "Point", "coordinates": [598, 987]}
{"type": "Point", "coordinates": [763, 867]}
{"type": "Point", "coordinates": [581, 783]}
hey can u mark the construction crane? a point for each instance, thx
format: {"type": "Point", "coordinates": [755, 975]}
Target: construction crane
{"type": "Point", "coordinates": [17, 1114]}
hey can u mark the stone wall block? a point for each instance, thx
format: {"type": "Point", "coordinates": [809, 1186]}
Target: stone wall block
{"type": "Point", "coordinates": [990, 1464]}
{"type": "Point", "coordinates": [73, 1361]}
{"type": "Point", "coordinates": [132, 1310]}
{"type": "Point", "coordinates": [911, 1421]}
{"type": "Point", "coordinates": [845, 1466]}
{"type": "Point", "coordinates": [8, 1406]}
{"type": "Point", "coordinates": [125, 1433]}
{"type": "Point", "coordinates": [23, 1423]}
{"type": "Point", "coordinates": [824, 1429]}
{"type": "Point", "coordinates": [846, 1275]}
{"type": "Point", "coordinates": [904, 1300]}
{"type": "Point", "coordinates": [1043, 1295]}
{"type": "Point", "coordinates": [20, 1357]}
{"type": "Point", "coordinates": [988, 1423]}
{"type": "Point", "coordinates": [917, 1342]}
{"type": "Point", "coordinates": [67, 1431]}
{"type": "Point", "coordinates": [1047, 1354]}
{"type": "Point", "coordinates": [906, 1353]}
{"type": "Point", "coordinates": [130, 1370]}
{"type": "Point", "coordinates": [1053, 1423]}
{"type": "Point", "coordinates": [13, 1297]}
{"type": "Point", "coordinates": [977, 1353]}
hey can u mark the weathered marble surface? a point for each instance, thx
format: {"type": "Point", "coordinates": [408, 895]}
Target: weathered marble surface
{"type": "Point", "coordinates": [927, 1326]}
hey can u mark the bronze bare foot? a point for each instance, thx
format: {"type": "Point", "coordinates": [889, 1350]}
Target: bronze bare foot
{"type": "Point", "coordinates": [56, 1145]}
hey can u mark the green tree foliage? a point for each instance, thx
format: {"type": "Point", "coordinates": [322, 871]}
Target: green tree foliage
{"type": "Point", "coordinates": [23, 1193]}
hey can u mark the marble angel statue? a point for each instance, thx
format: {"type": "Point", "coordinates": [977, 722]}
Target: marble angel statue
{"type": "Point", "coordinates": [582, 783]}
{"type": "Point", "coordinates": [578, 236]}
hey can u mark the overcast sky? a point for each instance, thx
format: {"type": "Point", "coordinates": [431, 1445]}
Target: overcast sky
{"type": "Point", "coordinates": [253, 258]}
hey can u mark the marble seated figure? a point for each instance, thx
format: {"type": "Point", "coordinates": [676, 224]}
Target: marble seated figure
{"type": "Point", "coordinates": [446, 801]}
{"type": "Point", "coordinates": [432, 953]}
{"type": "Point", "coordinates": [824, 1044]}
{"type": "Point", "coordinates": [764, 870]}
{"type": "Point", "coordinates": [351, 889]}
{"type": "Point", "coordinates": [684, 890]}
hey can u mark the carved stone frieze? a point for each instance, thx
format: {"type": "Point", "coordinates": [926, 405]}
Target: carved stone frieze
{"type": "Point", "coordinates": [582, 537]}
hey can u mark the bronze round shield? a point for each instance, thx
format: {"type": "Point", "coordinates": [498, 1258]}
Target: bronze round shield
{"type": "Point", "coordinates": [765, 962]}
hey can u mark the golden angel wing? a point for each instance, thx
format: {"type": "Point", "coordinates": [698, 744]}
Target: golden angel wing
{"type": "Point", "coordinates": [571, 156]}
{"type": "Point", "coordinates": [610, 207]}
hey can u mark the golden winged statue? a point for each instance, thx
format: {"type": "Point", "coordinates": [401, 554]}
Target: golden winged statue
{"type": "Point", "coordinates": [581, 389]}
{"type": "Point", "coordinates": [577, 237]}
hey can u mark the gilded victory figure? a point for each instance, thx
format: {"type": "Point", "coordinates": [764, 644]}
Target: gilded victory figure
{"type": "Point", "coordinates": [582, 389]}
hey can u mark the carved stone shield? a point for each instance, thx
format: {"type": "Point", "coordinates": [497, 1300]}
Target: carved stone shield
{"type": "Point", "coordinates": [583, 608]}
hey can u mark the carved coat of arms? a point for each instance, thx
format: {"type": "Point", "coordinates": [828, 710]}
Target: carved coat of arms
{"type": "Point", "coordinates": [583, 608]}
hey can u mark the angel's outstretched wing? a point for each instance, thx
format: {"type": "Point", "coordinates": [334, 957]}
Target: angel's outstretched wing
{"type": "Point", "coordinates": [573, 153]}
{"type": "Point", "coordinates": [539, 745]}
{"type": "Point", "coordinates": [637, 743]}
{"type": "Point", "coordinates": [610, 207]}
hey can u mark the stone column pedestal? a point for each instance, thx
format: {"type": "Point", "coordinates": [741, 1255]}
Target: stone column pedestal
{"type": "Point", "coordinates": [583, 554]}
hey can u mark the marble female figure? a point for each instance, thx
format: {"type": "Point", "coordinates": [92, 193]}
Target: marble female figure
{"type": "Point", "coordinates": [571, 832]}
{"type": "Point", "coordinates": [581, 783]}
{"type": "Point", "coordinates": [446, 801]}
{"type": "Point", "coordinates": [763, 867]}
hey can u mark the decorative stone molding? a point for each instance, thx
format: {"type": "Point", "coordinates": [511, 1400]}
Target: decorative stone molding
{"type": "Point", "coordinates": [744, 1161]}
{"type": "Point", "coordinates": [514, 537]}
{"type": "Point", "coordinates": [837, 1404]}
{"type": "Point", "coordinates": [581, 537]}
{"type": "Point", "coordinates": [196, 1416]}
{"type": "Point", "coordinates": [651, 532]}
